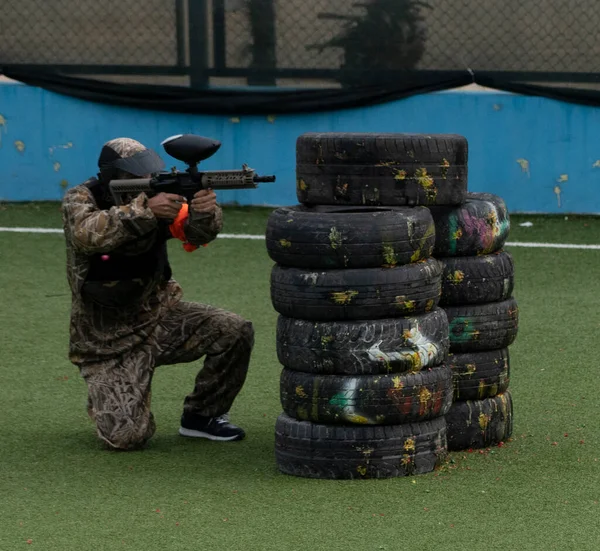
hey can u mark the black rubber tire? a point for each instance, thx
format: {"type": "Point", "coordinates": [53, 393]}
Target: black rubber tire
{"type": "Point", "coordinates": [476, 424]}
{"type": "Point", "coordinates": [477, 279]}
{"type": "Point", "coordinates": [367, 399]}
{"type": "Point", "coordinates": [480, 226]}
{"type": "Point", "coordinates": [478, 327]}
{"type": "Point", "coordinates": [368, 293]}
{"type": "Point", "coordinates": [332, 452]}
{"type": "Point", "coordinates": [349, 237]}
{"type": "Point", "coordinates": [480, 375]}
{"type": "Point", "coordinates": [381, 169]}
{"type": "Point", "coordinates": [364, 347]}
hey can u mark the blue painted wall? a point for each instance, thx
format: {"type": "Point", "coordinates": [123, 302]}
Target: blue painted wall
{"type": "Point", "coordinates": [538, 154]}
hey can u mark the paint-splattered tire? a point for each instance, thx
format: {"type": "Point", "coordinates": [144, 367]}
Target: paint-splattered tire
{"type": "Point", "coordinates": [477, 327]}
{"type": "Point", "coordinates": [349, 237]}
{"type": "Point", "coordinates": [368, 293]}
{"type": "Point", "coordinates": [381, 169]}
{"type": "Point", "coordinates": [364, 347]}
{"type": "Point", "coordinates": [367, 399]}
{"type": "Point", "coordinates": [333, 452]}
{"type": "Point", "coordinates": [480, 375]}
{"type": "Point", "coordinates": [477, 279]}
{"type": "Point", "coordinates": [476, 424]}
{"type": "Point", "coordinates": [480, 226]}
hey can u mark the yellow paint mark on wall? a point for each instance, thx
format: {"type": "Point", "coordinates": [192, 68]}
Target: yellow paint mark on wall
{"type": "Point", "coordinates": [596, 164]}
{"type": "Point", "coordinates": [64, 183]}
{"type": "Point", "coordinates": [271, 118]}
{"type": "Point", "coordinates": [56, 166]}
{"type": "Point", "coordinates": [563, 178]}
{"type": "Point", "coordinates": [3, 126]}
{"type": "Point", "coordinates": [558, 191]}
{"type": "Point", "coordinates": [20, 146]}
{"type": "Point", "coordinates": [235, 120]}
{"type": "Point", "coordinates": [68, 145]}
{"type": "Point", "coordinates": [524, 163]}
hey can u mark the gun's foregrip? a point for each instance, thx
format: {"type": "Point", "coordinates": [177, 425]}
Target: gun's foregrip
{"type": "Point", "coordinates": [229, 179]}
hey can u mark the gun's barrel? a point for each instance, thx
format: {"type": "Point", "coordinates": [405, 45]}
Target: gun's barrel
{"type": "Point", "coordinates": [264, 179]}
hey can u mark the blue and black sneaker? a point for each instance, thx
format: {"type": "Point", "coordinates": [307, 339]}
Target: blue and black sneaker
{"type": "Point", "coordinates": [212, 428]}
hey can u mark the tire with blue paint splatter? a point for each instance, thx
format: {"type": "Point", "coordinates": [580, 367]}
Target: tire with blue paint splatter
{"type": "Point", "coordinates": [349, 237]}
{"type": "Point", "coordinates": [479, 226]}
{"type": "Point", "coordinates": [364, 347]}
{"type": "Point", "coordinates": [381, 169]}
{"type": "Point", "coordinates": [334, 452]}
{"type": "Point", "coordinates": [477, 327]}
{"type": "Point", "coordinates": [392, 399]}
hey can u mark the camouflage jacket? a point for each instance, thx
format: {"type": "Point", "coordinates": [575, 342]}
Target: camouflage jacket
{"type": "Point", "coordinates": [97, 332]}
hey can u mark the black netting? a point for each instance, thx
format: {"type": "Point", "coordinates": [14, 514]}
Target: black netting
{"type": "Point", "coordinates": [406, 46]}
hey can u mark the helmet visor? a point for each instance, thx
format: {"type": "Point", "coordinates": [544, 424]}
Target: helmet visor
{"type": "Point", "coordinates": [140, 164]}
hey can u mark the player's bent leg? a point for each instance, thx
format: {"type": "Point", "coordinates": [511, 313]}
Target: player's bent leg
{"type": "Point", "coordinates": [227, 340]}
{"type": "Point", "coordinates": [119, 393]}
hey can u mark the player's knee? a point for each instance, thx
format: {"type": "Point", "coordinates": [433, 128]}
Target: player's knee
{"type": "Point", "coordinates": [125, 433]}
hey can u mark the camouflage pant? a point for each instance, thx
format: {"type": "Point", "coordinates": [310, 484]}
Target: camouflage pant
{"type": "Point", "coordinates": [119, 389]}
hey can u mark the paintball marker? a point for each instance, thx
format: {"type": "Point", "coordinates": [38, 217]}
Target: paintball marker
{"type": "Point", "coordinates": [191, 150]}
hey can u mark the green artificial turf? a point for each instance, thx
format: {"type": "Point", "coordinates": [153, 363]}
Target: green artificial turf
{"type": "Point", "coordinates": [61, 491]}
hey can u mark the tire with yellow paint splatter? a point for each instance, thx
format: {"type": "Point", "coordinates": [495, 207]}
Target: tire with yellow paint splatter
{"type": "Point", "coordinates": [334, 452]}
{"type": "Point", "coordinates": [479, 375]}
{"type": "Point", "coordinates": [381, 169]}
{"type": "Point", "coordinates": [477, 327]}
{"type": "Point", "coordinates": [479, 226]}
{"type": "Point", "coordinates": [356, 294]}
{"type": "Point", "coordinates": [349, 237]}
{"type": "Point", "coordinates": [477, 279]}
{"type": "Point", "coordinates": [364, 347]}
{"type": "Point", "coordinates": [367, 399]}
{"type": "Point", "coordinates": [476, 424]}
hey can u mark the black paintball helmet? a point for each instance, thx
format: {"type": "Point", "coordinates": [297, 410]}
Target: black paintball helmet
{"type": "Point", "coordinates": [127, 155]}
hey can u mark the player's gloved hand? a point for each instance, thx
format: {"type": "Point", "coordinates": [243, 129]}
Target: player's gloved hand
{"type": "Point", "coordinates": [205, 201]}
{"type": "Point", "coordinates": [166, 205]}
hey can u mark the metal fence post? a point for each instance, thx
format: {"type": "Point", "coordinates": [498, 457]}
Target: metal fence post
{"type": "Point", "coordinates": [198, 40]}
{"type": "Point", "coordinates": [262, 21]}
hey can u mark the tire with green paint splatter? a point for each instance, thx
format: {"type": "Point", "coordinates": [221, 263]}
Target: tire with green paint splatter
{"type": "Point", "coordinates": [355, 294]}
{"type": "Point", "coordinates": [477, 279]}
{"type": "Point", "coordinates": [476, 424]}
{"type": "Point", "coordinates": [480, 226]}
{"type": "Point", "coordinates": [333, 452]}
{"type": "Point", "coordinates": [349, 237]}
{"type": "Point", "coordinates": [367, 399]}
{"type": "Point", "coordinates": [363, 347]}
{"type": "Point", "coordinates": [477, 327]}
{"type": "Point", "coordinates": [480, 375]}
{"type": "Point", "coordinates": [381, 169]}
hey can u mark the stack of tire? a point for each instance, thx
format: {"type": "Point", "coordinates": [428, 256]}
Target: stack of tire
{"type": "Point", "coordinates": [362, 340]}
{"type": "Point", "coordinates": [477, 295]}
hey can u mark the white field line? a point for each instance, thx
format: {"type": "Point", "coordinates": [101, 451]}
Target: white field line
{"type": "Point", "coordinates": [259, 237]}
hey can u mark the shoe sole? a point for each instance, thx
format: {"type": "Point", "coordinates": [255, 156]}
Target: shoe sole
{"type": "Point", "coordinates": [198, 434]}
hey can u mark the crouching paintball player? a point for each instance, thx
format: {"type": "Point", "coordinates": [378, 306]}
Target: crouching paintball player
{"type": "Point", "coordinates": [128, 316]}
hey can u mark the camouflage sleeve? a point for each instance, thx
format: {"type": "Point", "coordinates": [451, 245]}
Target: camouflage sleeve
{"type": "Point", "coordinates": [203, 231]}
{"type": "Point", "coordinates": [93, 230]}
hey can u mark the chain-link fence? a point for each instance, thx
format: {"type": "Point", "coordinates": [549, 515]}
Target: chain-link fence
{"type": "Point", "coordinates": [310, 41]}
